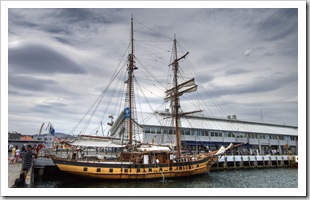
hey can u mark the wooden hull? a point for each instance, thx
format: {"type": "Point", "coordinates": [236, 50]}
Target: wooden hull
{"type": "Point", "coordinates": [118, 170]}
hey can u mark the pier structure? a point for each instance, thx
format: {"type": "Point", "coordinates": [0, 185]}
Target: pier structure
{"type": "Point", "coordinates": [249, 161]}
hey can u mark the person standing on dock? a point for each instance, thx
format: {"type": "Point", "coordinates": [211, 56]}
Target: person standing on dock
{"type": "Point", "coordinates": [17, 154]}
{"type": "Point", "coordinates": [13, 155]}
{"type": "Point", "coordinates": [27, 160]}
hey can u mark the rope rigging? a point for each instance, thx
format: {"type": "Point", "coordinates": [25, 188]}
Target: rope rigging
{"type": "Point", "coordinates": [152, 63]}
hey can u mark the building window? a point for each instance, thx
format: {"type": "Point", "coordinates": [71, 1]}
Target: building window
{"type": "Point", "coordinates": [216, 134]}
{"type": "Point", "coordinates": [241, 135]}
{"type": "Point", "coordinates": [205, 133]}
{"type": "Point", "coordinates": [85, 169]}
{"type": "Point", "coordinates": [153, 130]}
{"type": "Point", "coordinates": [110, 170]}
{"type": "Point", "coordinates": [273, 137]}
{"type": "Point", "coordinates": [231, 135]}
{"type": "Point", "coordinates": [98, 169]}
{"type": "Point", "coordinates": [147, 130]}
{"type": "Point", "coordinates": [261, 136]}
{"type": "Point", "coordinates": [187, 132]}
{"type": "Point", "coordinates": [199, 132]}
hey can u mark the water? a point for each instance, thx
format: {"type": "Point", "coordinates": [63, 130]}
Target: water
{"type": "Point", "coordinates": [249, 178]}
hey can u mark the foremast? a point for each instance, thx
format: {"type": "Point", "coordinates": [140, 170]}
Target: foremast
{"type": "Point", "coordinates": [130, 87]}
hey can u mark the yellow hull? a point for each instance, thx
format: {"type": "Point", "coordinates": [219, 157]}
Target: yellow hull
{"type": "Point", "coordinates": [134, 171]}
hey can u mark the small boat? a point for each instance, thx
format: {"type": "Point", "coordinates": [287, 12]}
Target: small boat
{"type": "Point", "coordinates": [135, 159]}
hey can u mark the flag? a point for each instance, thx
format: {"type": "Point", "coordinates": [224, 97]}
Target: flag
{"type": "Point", "coordinates": [127, 112]}
{"type": "Point", "coordinates": [52, 130]}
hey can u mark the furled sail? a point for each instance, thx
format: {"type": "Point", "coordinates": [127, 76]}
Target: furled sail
{"type": "Point", "coordinates": [183, 88]}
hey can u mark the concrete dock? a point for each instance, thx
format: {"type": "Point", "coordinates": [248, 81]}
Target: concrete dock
{"type": "Point", "coordinates": [14, 171]}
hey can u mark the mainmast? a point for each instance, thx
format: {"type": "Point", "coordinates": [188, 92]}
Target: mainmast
{"type": "Point", "coordinates": [176, 97]}
{"type": "Point", "coordinates": [174, 94]}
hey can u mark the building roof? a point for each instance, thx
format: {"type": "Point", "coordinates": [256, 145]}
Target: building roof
{"type": "Point", "coordinates": [28, 138]}
{"type": "Point", "coordinates": [14, 136]}
{"type": "Point", "coordinates": [217, 124]}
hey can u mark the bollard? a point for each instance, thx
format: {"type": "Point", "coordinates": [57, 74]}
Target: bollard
{"type": "Point", "coordinates": [270, 161]}
{"type": "Point", "coordinates": [41, 173]}
{"type": "Point", "coordinates": [264, 161]}
{"type": "Point", "coordinates": [225, 162]}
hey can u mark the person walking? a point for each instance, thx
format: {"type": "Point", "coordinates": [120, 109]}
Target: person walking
{"type": "Point", "coordinates": [27, 160]}
{"type": "Point", "coordinates": [17, 154]}
{"type": "Point", "coordinates": [13, 155]}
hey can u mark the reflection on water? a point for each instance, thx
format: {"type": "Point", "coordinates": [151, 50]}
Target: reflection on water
{"type": "Point", "coordinates": [250, 178]}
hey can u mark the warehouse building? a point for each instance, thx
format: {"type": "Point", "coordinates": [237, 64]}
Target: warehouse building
{"type": "Point", "coordinates": [205, 133]}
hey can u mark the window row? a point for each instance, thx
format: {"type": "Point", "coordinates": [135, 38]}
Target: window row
{"type": "Point", "coordinates": [195, 132]}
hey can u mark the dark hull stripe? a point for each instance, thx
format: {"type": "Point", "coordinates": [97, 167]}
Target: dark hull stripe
{"type": "Point", "coordinates": [120, 165]}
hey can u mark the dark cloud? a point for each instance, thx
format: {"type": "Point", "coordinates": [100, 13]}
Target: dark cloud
{"type": "Point", "coordinates": [29, 83]}
{"type": "Point", "coordinates": [279, 25]}
{"type": "Point", "coordinates": [40, 59]}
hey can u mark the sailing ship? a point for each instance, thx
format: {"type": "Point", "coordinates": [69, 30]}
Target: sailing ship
{"type": "Point", "coordinates": [138, 160]}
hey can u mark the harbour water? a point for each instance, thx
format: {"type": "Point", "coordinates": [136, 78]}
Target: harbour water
{"type": "Point", "coordinates": [246, 178]}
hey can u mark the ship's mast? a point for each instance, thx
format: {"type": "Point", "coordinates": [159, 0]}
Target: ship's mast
{"type": "Point", "coordinates": [176, 97]}
{"type": "Point", "coordinates": [130, 82]}
{"type": "Point", "coordinates": [177, 91]}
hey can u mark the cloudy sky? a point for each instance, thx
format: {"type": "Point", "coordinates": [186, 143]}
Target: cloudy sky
{"type": "Point", "coordinates": [60, 59]}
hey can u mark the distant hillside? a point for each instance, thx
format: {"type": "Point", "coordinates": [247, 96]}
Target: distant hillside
{"type": "Point", "coordinates": [60, 135]}
{"type": "Point", "coordinates": [63, 135]}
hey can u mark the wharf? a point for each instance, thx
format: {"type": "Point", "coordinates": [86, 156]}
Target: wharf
{"type": "Point", "coordinates": [250, 161]}
{"type": "Point", "coordinates": [14, 173]}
